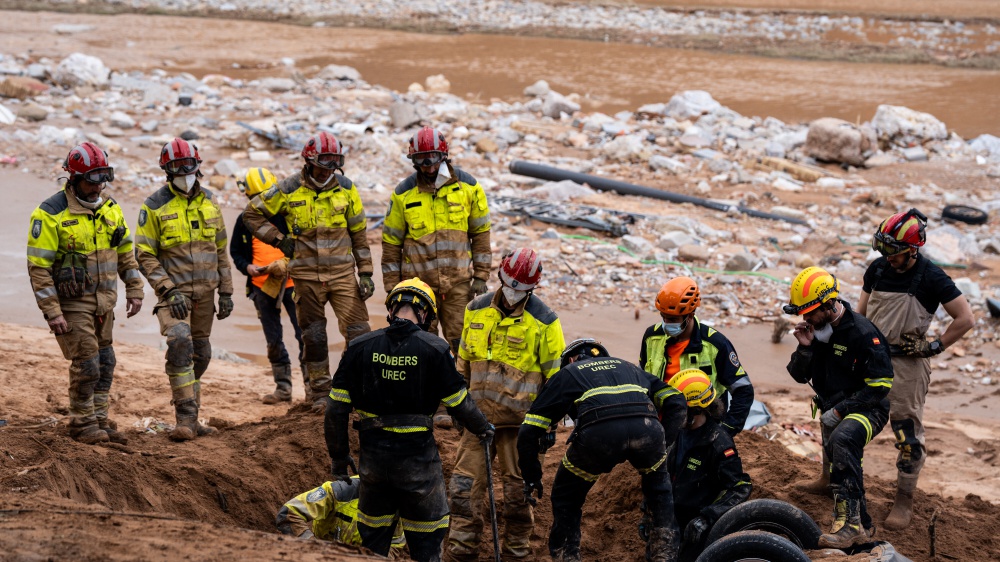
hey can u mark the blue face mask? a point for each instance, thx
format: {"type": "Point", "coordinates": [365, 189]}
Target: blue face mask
{"type": "Point", "coordinates": [673, 329]}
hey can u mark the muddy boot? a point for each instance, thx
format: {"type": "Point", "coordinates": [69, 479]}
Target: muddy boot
{"type": "Point", "coordinates": [319, 385]}
{"type": "Point", "coordinates": [820, 486]}
{"type": "Point", "coordinates": [662, 546]}
{"type": "Point", "coordinates": [460, 553]}
{"type": "Point", "coordinates": [902, 507]}
{"type": "Point", "coordinates": [187, 420]}
{"type": "Point", "coordinates": [283, 381]}
{"type": "Point", "coordinates": [200, 428]}
{"type": "Point", "coordinates": [847, 530]}
{"type": "Point", "coordinates": [111, 428]}
{"type": "Point", "coordinates": [89, 435]}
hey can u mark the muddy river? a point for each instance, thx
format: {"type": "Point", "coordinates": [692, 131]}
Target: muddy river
{"type": "Point", "coordinates": [610, 77]}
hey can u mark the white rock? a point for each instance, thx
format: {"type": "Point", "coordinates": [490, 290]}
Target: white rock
{"type": "Point", "coordinates": [555, 104]}
{"type": "Point", "coordinates": [783, 184]}
{"type": "Point", "coordinates": [674, 239]}
{"type": "Point", "coordinates": [537, 89]}
{"type": "Point", "coordinates": [339, 72]}
{"type": "Point", "coordinates": [969, 288]}
{"type": "Point", "coordinates": [560, 191]}
{"type": "Point", "coordinates": [988, 144]}
{"type": "Point", "coordinates": [288, 61]}
{"type": "Point", "coordinates": [788, 212]}
{"type": "Point", "coordinates": [228, 167]}
{"type": "Point", "coordinates": [149, 126]}
{"type": "Point", "coordinates": [437, 84]}
{"type": "Point", "coordinates": [403, 114]}
{"type": "Point", "coordinates": [7, 117]}
{"type": "Point", "coordinates": [71, 28]}
{"type": "Point", "coordinates": [660, 162]}
{"type": "Point", "coordinates": [905, 127]}
{"type": "Point", "coordinates": [121, 120]}
{"type": "Point", "coordinates": [260, 156]}
{"type": "Point", "coordinates": [638, 245]}
{"type": "Point", "coordinates": [836, 140]}
{"type": "Point", "coordinates": [831, 183]}
{"type": "Point", "coordinates": [625, 149]}
{"type": "Point", "coordinates": [79, 69]}
{"type": "Point", "coordinates": [691, 103]}
{"type": "Point", "coordinates": [273, 84]}
{"type": "Point", "coordinates": [915, 154]}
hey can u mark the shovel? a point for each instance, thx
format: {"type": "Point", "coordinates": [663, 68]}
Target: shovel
{"type": "Point", "coordinates": [493, 503]}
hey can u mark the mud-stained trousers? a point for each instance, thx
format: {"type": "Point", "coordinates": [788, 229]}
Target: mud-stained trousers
{"type": "Point", "coordinates": [188, 354]}
{"type": "Point", "coordinates": [88, 346]}
{"type": "Point", "coordinates": [596, 449]}
{"type": "Point", "coordinates": [451, 313]}
{"type": "Point", "coordinates": [467, 497]}
{"type": "Point", "coordinates": [910, 383]}
{"type": "Point", "coordinates": [401, 478]}
{"type": "Point", "coordinates": [310, 306]}
{"type": "Point", "coordinates": [270, 321]}
{"type": "Point", "coordinates": [846, 447]}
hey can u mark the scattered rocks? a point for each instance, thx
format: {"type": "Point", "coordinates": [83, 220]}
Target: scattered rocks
{"type": "Point", "coordinates": [692, 252]}
{"type": "Point", "coordinates": [904, 127]}
{"type": "Point", "coordinates": [339, 72]}
{"type": "Point", "coordinates": [121, 120]}
{"type": "Point", "coordinates": [276, 85]}
{"type": "Point", "coordinates": [691, 103]}
{"type": "Point", "coordinates": [740, 262]}
{"type": "Point", "coordinates": [403, 114]}
{"type": "Point", "coordinates": [836, 140]}
{"type": "Point", "coordinates": [537, 89]}
{"type": "Point", "coordinates": [555, 104]}
{"type": "Point", "coordinates": [437, 84]}
{"type": "Point", "coordinates": [33, 112]}
{"type": "Point", "coordinates": [79, 69]}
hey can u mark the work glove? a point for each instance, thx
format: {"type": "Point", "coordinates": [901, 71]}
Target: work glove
{"type": "Point", "coordinates": [287, 246]}
{"type": "Point", "coordinates": [545, 442]}
{"type": "Point", "coordinates": [532, 488]}
{"type": "Point", "coordinates": [915, 346]}
{"type": "Point", "coordinates": [338, 468]}
{"type": "Point", "coordinates": [178, 302]}
{"type": "Point", "coordinates": [225, 306]}
{"type": "Point", "coordinates": [694, 532]}
{"type": "Point", "coordinates": [478, 287]}
{"type": "Point", "coordinates": [366, 286]}
{"type": "Point", "coordinates": [487, 435]}
{"type": "Point", "coordinates": [830, 418]}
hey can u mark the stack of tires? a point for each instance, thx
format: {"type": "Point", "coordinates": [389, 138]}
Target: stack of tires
{"type": "Point", "coordinates": [764, 530]}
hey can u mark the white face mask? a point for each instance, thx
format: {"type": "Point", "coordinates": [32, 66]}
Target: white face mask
{"type": "Point", "coordinates": [93, 206]}
{"type": "Point", "coordinates": [444, 174]}
{"type": "Point", "coordinates": [185, 183]}
{"type": "Point", "coordinates": [513, 296]}
{"type": "Point", "coordinates": [823, 334]}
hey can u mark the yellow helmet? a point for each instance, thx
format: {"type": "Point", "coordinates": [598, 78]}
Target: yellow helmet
{"type": "Point", "coordinates": [696, 387]}
{"type": "Point", "coordinates": [413, 291]}
{"type": "Point", "coordinates": [257, 181]}
{"type": "Point", "coordinates": [812, 287]}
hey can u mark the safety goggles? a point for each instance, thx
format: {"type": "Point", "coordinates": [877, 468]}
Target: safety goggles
{"type": "Point", "coordinates": [181, 166]}
{"type": "Point", "coordinates": [99, 175]}
{"type": "Point", "coordinates": [329, 160]}
{"type": "Point", "coordinates": [887, 245]}
{"type": "Point", "coordinates": [793, 310]}
{"type": "Point", "coordinates": [427, 158]}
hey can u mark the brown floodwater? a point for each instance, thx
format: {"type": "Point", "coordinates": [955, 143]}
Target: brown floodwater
{"type": "Point", "coordinates": [609, 77]}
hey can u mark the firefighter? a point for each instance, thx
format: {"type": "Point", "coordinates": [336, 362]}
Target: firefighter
{"type": "Point", "coordinates": [395, 378]}
{"type": "Point", "coordinates": [267, 281]}
{"type": "Point", "coordinates": [330, 513]}
{"type": "Point", "coordinates": [901, 292]}
{"type": "Point", "coordinates": [327, 242]}
{"type": "Point", "coordinates": [614, 405]}
{"type": "Point", "coordinates": [511, 345]}
{"type": "Point", "coordinates": [78, 245]}
{"type": "Point", "coordinates": [707, 473]}
{"type": "Point", "coordinates": [181, 249]}
{"type": "Point", "coordinates": [438, 228]}
{"type": "Point", "coordinates": [845, 359]}
{"type": "Point", "coordinates": [680, 341]}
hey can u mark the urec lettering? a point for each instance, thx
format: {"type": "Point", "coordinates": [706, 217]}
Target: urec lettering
{"type": "Point", "coordinates": [394, 375]}
{"type": "Point", "coordinates": [394, 360]}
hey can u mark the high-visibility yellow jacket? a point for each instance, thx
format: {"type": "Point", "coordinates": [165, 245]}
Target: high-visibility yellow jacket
{"type": "Point", "coordinates": [506, 359]}
{"type": "Point", "coordinates": [61, 225]}
{"type": "Point", "coordinates": [437, 234]}
{"type": "Point", "coordinates": [181, 243]}
{"type": "Point", "coordinates": [328, 226]}
{"type": "Point", "coordinates": [330, 512]}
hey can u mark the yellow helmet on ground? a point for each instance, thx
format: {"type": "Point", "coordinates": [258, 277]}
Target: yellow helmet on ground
{"type": "Point", "coordinates": [812, 287]}
{"type": "Point", "coordinates": [413, 291]}
{"type": "Point", "coordinates": [696, 387]}
{"type": "Point", "coordinates": [256, 181]}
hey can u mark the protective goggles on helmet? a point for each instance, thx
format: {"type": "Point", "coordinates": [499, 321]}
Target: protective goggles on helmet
{"type": "Point", "coordinates": [99, 175]}
{"type": "Point", "coordinates": [820, 299]}
{"type": "Point", "coordinates": [181, 166]}
{"type": "Point", "coordinates": [427, 158]}
{"type": "Point", "coordinates": [886, 245]}
{"type": "Point", "coordinates": [329, 160]}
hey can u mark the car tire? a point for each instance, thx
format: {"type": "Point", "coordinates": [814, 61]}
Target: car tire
{"type": "Point", "coordinates": [770, 515]}
{"type": "Point", "coordinates": [753, 545]}
{"type": "Point", "coordinates": [964, 213]}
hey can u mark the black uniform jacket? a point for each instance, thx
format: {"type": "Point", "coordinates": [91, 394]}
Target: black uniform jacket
{"type": "Point", "coordinates": [707, 474]}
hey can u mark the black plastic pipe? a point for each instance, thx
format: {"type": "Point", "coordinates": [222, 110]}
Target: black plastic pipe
{"type": "Point", "coordinates": [550, 173]}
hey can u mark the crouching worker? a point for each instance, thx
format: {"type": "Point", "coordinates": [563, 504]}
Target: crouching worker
{"type": "Point", "coordinates": [615, 406]}
{"type": "Point", "coordinates": [329, 513]}
{"type": "Point", "coordinates": [706, 469]}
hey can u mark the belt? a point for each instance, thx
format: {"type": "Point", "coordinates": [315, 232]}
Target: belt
{"type": "Point", "coordinates": [394, 420]}
{"type": "Point", "coordinates": [615, 411]}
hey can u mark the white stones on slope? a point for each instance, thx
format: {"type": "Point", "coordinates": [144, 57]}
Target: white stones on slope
{"type": "Point", "coordinates": [836, 140]}
{"type": "Point", "coordinates": [79, 69]}
{"type": "Point", "coordinates": [904, 127]}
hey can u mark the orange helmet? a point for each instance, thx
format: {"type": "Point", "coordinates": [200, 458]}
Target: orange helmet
{"type": "Point", "coordinates": [678, 297]}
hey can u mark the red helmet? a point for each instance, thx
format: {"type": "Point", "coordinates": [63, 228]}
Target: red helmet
{"type": "Point", "coordinates": [88, 160]}
{"type": "Point", "coordinates": [324, 150]}
{"type": "Point", "coordinates": [179, 158]}
{"type": "Point", "coordinates": [900, 232]}
{"type": "Point", "coordinates": [521, 269]}
{"type": "Point", "coordinates": [427, 147]}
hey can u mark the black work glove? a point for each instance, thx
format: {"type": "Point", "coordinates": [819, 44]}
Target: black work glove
{"type": "Point", "coordinates": [338, 468]}
{"type": "Point", "coordinates": [225, 306]}
{"type": "Point", "coordinates": [532, 488]}
{"type": "Point", "coordinates": [545, 442]}
{"type": "Point", "coordinates": [287, 246]}
{"type": "Point", "coordinates": [70, 282]}
{"type": "Point", "coordinates": [696, 530]}
{"type": "Point", "coordinates": [487, 435]}
{"type": "Point", "coordinates": [178, 302]}
{"type": "Point", "coordinates": [478, 287]}
{"type": "Point", "coordinates": [117, 236]}
{"type": "Point", "coordinates": [366, 286]}
{"type": "Point", "coordinates": [915, 346]}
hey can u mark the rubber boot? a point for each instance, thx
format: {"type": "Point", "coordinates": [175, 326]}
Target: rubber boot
{"type": "Point", "coordinates": [820, 486]}
{"type": "Point", "coordinates": [187, 420]}
{"type": "Point", "coordinates": [283, 382]}
{"type": "Point", "coordinates": [111, 428]}
{"type": "Point", "coordinates": [200, 428]}
{"type": "Point", "coordinates": [902, 507]}
{"type": "Point", "coordinates": [847, 530]}
{"type": "Point", "coordinates": [89, 435]}
{"type": "Point", "coordinates": [319, 385]}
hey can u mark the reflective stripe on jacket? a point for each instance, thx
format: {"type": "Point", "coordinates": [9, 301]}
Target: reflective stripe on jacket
{"type": "Point", "coordinates": [506, 359]}
{"type": "Point", "coordinates": [61, 225]}
{"type": "Point", "coordinates": [181, 243]}
{"type": "Point", "coordinates": [330, 512]}
{"type": "Point", "coordinates": [437, 235]}
{"type": "Point", "coordinates": [328, 225]}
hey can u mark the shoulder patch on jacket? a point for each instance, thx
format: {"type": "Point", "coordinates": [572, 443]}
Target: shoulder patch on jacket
{"type": "Point", "coordinates": [729, 452]}
{"type": "Point", "coordinates": [142, 217]}
{"type": "Point", "coordinates": [316, 495]}
{"type": "Point", "coordinates": [406, 185]}
{"type": "Point", "coordinates": [159, 198]}
{"type": "Point", "coordinates": [344, 181]}
{"type": "Point", "coordinates": [36, 228]}
{"type": "Point", "coordinates": [481, 302]}
{"type": "Point", "coordinates": [540, 310]}
{"type": "Point", "coordinates": [55, 204]}
{"type": "Point", "coordinates": [464, 177]}
{"type": "Point", "coordinates": [291, 183]}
